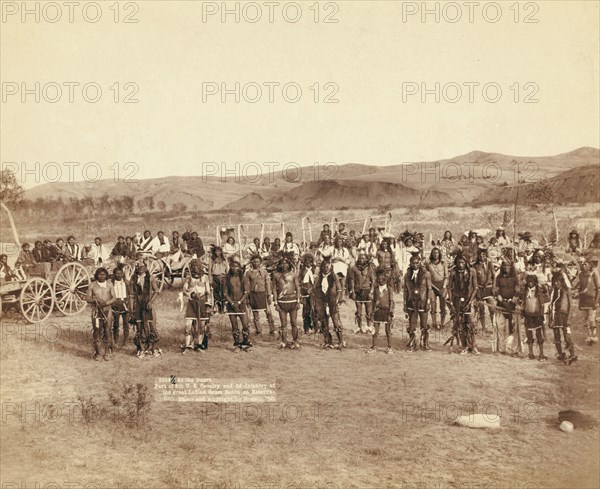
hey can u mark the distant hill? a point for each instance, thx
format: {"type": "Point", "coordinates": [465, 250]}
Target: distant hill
{"type": "Point", "coordinates": [334, 194]}
{"type": "Point", "coordinates": [578, 185]}
{"type": "Point", "coordinates": [466, 176]}
{"type": "Point", "coordinates": [195, 192]}
{"type": "Point", "coordinates": [474, 176]}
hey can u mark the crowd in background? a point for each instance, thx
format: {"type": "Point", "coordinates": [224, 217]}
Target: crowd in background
{"type": "Point", "coordinates": [464, 276]}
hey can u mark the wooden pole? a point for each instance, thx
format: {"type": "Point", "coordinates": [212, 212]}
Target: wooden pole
{"type": "Point", "coordinates": [517, 322]}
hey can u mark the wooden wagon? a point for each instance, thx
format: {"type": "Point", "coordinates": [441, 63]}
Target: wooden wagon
{"type": "Point", "coordinates": [43, 290]}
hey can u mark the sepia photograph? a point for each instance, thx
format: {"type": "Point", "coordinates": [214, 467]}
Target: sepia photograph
{"type": "Point", "coordinates": [310, 244]}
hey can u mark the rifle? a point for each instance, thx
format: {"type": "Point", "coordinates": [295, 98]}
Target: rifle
{"type": "Point", "coordinates": [456, 317]}
{"type": "Point", "coordinates": [450, 340]}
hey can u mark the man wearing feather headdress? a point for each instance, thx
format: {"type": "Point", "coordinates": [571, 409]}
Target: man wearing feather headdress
{"type": "Point", "coordinates": [437, 268]}
{"type": "Point", "coordinates": [143, 292]}
{"type": "Point", "coordinates": [286, 296]}
{"type": "Point", "coordinates": [197, 315]}
{"type": "Point", "coordinates": [258, 284]}
{"type": "Point", "coordinates": [485, 278]}
{"type": "Point", "coordinates": [327, 294]}
{"type": "Point", "coordinates": [417, 292]}
{"type": "Point", "coordinates": [235, 297]}
{"type": "Point", "coordinates": [462, 288]}
{"type": "Point", "coordinates": [101, 295]}
{"type": "Point", "coordinates": [361, 282]}
{"type": "Point", "coordinates": [307, 281]}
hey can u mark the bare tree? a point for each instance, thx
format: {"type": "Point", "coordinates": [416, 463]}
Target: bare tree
{"type": "Point", "coordinates": [11, 191]}
{"type": "Point", "coordinates": [543, 199]}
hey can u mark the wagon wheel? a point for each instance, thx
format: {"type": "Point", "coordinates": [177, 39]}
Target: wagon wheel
{"type": "Point", "coordinates": [36, 300]}
{"type": "Point", "coordinates": [70, 288]}
{"type": "Point", "coordinates": [157, 270]}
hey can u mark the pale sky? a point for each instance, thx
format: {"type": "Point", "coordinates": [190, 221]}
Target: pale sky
{"type": "Point", "coordinates": [368, 54]}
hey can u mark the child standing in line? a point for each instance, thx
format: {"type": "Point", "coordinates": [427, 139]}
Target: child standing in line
{"type": "Point", "coordinates": [383, 309]}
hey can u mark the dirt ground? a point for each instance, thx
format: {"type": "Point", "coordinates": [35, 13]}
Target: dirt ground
{"type": "Point", "coordinates": [342, 419]}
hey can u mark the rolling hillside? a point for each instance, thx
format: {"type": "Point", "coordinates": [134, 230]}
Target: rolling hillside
{"type": "Point", "coordinates": [335, 194]}
{"type": "Point", "coordinates": [475, 176]}
{"type": "Point", "coordinates": [579, 185]}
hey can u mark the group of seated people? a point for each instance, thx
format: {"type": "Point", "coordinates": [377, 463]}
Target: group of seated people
{"type": "Point", "coordinates": [56, 253]}
{"type": "Point", "coordinates": [46, 256]}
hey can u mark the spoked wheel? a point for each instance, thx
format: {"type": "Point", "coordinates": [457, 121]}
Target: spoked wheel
{"type": "Point", "coordinates": [157, 270]}
{"type": "Point", "coordinates": [36, 300]}
{"type": "Point", "coordinates": [70, 288]}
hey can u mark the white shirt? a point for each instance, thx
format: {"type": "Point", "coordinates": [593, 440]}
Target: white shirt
{"type": "Point", "coordinates": [343, 259]}
{"type": "Point", "coordinates": [229, 250]}
{"type": "Point", "coordinates": [155, 245]}
{"type": "Point", "coordinates": [96, 252]}
{"type": "Point", "coordinates": [120, 289]}
{"type": "Point", "coordinates": [544, 275]}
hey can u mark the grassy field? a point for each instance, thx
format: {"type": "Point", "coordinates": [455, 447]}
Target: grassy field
{"type": "Point", "coordinates": [427, 220]}
{"type": "Point", "coordinates": [342, 419]}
